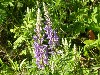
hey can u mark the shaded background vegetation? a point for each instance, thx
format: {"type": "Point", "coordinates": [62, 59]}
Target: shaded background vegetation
{"type": "Point", "coordinates": [74, 20]}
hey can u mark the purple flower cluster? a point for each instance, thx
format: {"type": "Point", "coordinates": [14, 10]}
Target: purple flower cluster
{"type": "Point", "coordinates": [41, 55]}
{"type": "Point", "coordinates": [51, 34]}
{"type": "Point", "coordinates": [41, 49]}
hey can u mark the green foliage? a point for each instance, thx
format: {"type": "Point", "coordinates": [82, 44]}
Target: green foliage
{"type": "Point", "coordinates": [71, 18]}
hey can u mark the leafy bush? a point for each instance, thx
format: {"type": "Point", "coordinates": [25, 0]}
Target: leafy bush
{"type": "Point", "coordinates": [76, 23]}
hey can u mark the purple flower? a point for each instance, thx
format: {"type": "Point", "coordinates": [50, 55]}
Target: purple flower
{"type": "Point", "coordinates": [40, 50]}
{"type": "Point", "coordinates": [35, 38]}
{"type": "Point", "coordinates": [48, 29]}
{"type": "Point", "coordinates": [41, 54]}
{"type": "Point", "coordinates": [51, 35]}
{"type": "Point", "coordinates": [55, 38]}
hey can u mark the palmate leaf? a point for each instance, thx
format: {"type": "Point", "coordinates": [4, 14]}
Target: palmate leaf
{"type": "Point", "coordinates": [88, 42]}
{"type": "Point", "coordinates": [91, 43]}
{"type": "Point", "coordinates": [88, 45]}
{"type": "Point", "coordinates": [18, 42]}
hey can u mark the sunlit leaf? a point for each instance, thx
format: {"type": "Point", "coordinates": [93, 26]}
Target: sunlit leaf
{"type": "Point", "coordinates": [88, 42]}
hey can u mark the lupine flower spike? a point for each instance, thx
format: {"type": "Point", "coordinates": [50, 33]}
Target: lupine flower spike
{"type": "Point", "coordinates": [51, 34]}
{"type": "Point", "coordinates": [40, 49]}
